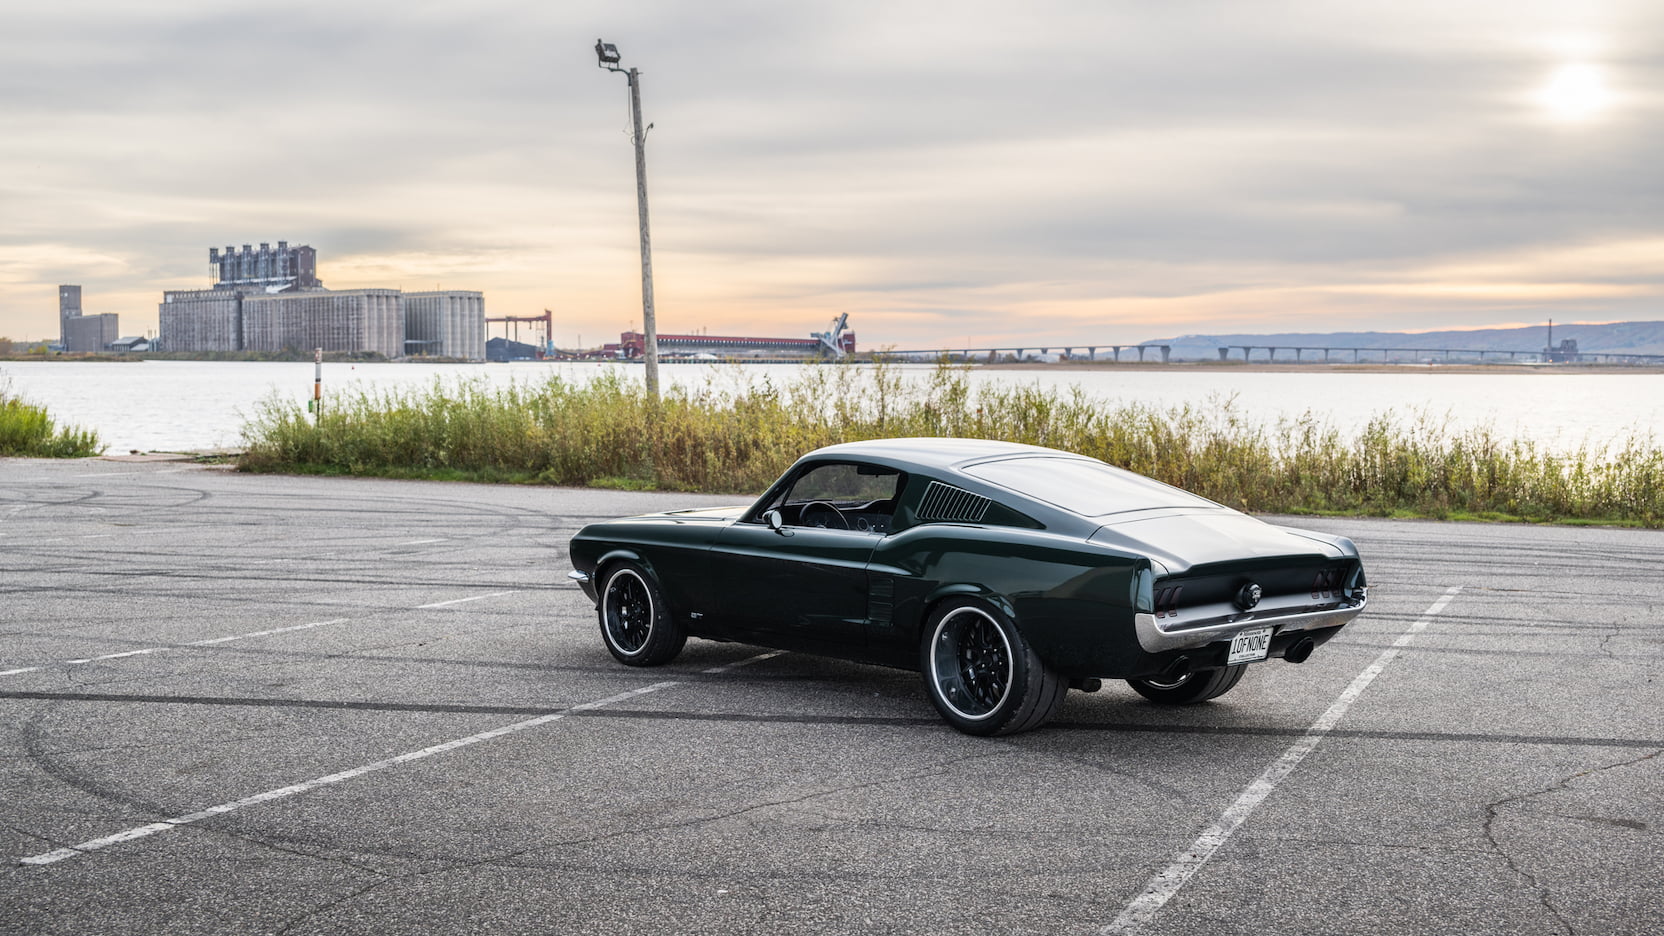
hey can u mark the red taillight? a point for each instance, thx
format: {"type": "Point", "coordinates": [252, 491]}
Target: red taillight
{"type": "Point", "coordinates": [1326, 583]}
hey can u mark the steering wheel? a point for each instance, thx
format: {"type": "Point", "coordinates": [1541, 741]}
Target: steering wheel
{"type": "Point", "coordinates": [822, 514]}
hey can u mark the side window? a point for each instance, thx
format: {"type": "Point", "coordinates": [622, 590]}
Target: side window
{"type": "Point", "coordinates": [842, 496]}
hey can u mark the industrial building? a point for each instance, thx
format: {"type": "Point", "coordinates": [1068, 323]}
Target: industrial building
{"type": "Point", "coordinates": [78, 331]}
{"type": "Point", "coordinates": [91, 332]}
{"type": "Point", "coordinates": [271, 300]}
{"type": "Point", "coordinates": [201, 320]}
{"type": "Point", "coordinates": [445, 323]}
{"type": "Point", "coordinates": [346, 320]}
{"type": "Point", "coordinates": [267, 270]}
{"type": "Point", "coordinates": [69, 306]}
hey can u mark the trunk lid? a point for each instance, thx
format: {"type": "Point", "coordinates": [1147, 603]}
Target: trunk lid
{"type": "Point", "coordinates": [1183, 540]}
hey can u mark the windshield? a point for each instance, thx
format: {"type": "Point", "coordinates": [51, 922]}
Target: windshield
{"type": "Point", "coordinates": [1088, 488]}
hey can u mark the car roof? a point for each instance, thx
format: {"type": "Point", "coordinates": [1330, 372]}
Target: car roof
{"type": "Point", "coordinates": [932, 452]}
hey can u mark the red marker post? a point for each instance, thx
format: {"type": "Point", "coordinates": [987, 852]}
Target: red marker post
{"type": "Point", "coordinates": [317, 385]}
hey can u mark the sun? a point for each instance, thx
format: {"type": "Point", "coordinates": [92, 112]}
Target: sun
{"type": "Point", "coordinates": [1575, 92]}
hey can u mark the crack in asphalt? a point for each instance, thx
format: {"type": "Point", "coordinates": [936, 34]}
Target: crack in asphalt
{"type": "Point", "coordinates": [310, 853]}
{"type": "Point", "coordinates": [1377, 845]}
{"type": "Point", "coordinates": [321, 909]}
{"type": "Point", "coordinates": [21, 832]}
{"type": "Point", "coordinates": [510, 859]}
{"type": "Point", "coordinates": [1493, 814]}
{"type": "Point", "coordinates": [1613, 633]}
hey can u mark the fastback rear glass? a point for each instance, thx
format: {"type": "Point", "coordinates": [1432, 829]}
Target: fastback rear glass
{"type": "Point", "coordinates": [1088, 488]}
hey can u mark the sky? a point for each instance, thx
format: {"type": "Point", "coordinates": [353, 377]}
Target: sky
{"type": "Point", "coordinates": [960, 173]}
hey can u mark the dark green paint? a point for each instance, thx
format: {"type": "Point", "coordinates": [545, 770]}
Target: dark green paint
{"type": "Point", "coordinates": [1069, 581]}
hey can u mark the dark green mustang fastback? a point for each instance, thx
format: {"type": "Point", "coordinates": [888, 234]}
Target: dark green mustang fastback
{"type": "Point", "coordinates": [1006, 574]}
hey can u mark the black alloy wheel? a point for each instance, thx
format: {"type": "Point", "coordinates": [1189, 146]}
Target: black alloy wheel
{"type": "Point", "coordinates": [636, 624]}
{"type": "Point", "coordinates": [981, 674]}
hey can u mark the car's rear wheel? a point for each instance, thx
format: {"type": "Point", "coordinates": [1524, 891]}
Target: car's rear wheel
{"type": "Point", "coordinates": [636, 623]}
{"type": "Point", "coordinates": [1191, 687]}
{"type": "Point", "coordinates": [981, 674]}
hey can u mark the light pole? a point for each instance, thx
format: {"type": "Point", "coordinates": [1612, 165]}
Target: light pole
{"type": "Point", "coordinates": [606, 55]}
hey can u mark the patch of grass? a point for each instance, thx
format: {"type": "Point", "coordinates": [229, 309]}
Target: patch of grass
{"type": "Point", "coordinates": [625, 484]}
{"type": "Point", "coordinates": [28, 431]}
{"type": "Point", "coordinates": [736, 433]}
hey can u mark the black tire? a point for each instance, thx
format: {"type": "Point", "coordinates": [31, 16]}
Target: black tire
{"type": "Point", "coordinates": [981, 674]}
{"type": "Point", "coordinates": [636, 623]}
{"type": "Point", "coordinates": [1190, 688]}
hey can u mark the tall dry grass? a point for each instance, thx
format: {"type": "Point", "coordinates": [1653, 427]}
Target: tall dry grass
{"type": "Point", "coordinates": [736, 434]}
{"type": "Point", "coordinates": [29, 431]}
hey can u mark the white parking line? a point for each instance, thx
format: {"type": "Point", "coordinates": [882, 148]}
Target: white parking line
{"type": "Point", "coordinates": [421, 542]}
{"type": "Point", "coordinates": [457, 601]}
{"type": "Point", "coordinates": [264, 633]}
{"type": "Point", "coordinates": [745, 662]}
{"type": "Point", "coordinates": [138, 832]}
{"type": "Point", "coordinates": [195, 643]}
{"type": "Point", "coordinates": [1167, 882]}
{"type": "Point", "coordinates": [117, 656]}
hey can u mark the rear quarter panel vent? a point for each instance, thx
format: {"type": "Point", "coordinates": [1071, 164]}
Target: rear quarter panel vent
{"type": "Point", "coordinates": [944, 502]}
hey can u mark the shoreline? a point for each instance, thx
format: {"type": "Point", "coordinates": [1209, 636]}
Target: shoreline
{"type": "Point", "coordinates": [1273, 367]}
{"type": "Point", "coordinates": [1242, 367]}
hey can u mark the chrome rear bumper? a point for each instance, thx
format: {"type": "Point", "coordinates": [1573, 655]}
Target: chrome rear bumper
{"type": "Point", "coordinates": [1155, 637]}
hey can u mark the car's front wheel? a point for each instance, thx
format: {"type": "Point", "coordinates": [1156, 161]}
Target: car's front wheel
{"type": "Point", "coordinates": [636, 623]}
{"type": "Point", "coordinates": [981, 674]}
{"type": "Point", "coordinates": [1191, 687]}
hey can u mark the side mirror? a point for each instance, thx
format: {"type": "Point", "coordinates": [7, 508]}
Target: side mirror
{"type": "Point", "coordinates": [775, 521]}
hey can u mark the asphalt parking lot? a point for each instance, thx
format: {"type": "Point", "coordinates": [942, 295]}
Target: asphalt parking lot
{"type": "Point", "coordinates": [238, 704]}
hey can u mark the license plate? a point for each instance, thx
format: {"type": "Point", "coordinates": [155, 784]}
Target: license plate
{"type": "Point", "coordinates": [1250, 645]}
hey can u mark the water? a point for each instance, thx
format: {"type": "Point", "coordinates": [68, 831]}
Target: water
{"type": "Point", "coordinates": [201, 406]}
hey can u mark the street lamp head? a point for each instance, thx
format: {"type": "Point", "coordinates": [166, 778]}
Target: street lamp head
{"type": "Point", "coordinates": [606, 54]}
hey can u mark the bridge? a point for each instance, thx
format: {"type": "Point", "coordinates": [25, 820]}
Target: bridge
{"type": "Point", "coordinates": [1270, 352]}
{"type": "Point", "coordinates": [1546, 355]}
{"type": "Point", "coordinates": [1089, 352]}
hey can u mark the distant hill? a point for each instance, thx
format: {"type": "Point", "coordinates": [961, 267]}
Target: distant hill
{"type": "Point", "coordinates": [1614, 338]}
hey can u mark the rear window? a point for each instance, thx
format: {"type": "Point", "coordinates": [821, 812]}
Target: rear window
{"type": "Point", "coordinates": [1088, 488]}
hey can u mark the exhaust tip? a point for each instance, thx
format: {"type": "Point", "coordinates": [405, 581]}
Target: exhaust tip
{"type": "Point", "coordinates": [1176, 670]}
{"type": "Point", "coordinates": [1301, 651]}
{"type": "Point", "coordinates": [1090, 684]}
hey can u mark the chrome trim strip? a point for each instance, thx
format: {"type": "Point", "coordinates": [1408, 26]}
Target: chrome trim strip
{"type": "Point", "coordinates": [1154, 639]}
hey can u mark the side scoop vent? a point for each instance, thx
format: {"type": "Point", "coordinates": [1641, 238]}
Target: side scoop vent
{"type": "Point", "coordinates": [881, 600]}
{"type": "Point", "coordinates": [944, 502]}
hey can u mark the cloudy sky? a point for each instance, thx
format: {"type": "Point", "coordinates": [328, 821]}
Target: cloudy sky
{"type": "Point", "coordinates": [946, 172]}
